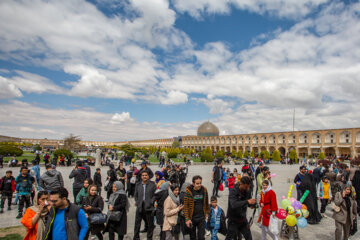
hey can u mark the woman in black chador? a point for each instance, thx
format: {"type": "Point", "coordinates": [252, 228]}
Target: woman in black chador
{"type": "Point", "coordinates": [308, 183]}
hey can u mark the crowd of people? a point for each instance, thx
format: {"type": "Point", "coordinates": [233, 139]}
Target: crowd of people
{"type": "Point", "coordinates": [167, 199]}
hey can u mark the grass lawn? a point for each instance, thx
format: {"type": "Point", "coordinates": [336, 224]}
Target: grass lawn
{"type": "Point", "coordinates": [154, 159]}
{"type": "Point", "coordinates": [12, 233]}
{"type": "Point", "coordinates": [30, 156]}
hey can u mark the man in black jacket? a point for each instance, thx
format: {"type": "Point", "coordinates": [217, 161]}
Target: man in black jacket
{"type": "Point", "coordinates": [144, 167]}
{"type": "Point", "coordinates": [97, 180]}
{"type": "Point", "coordinates": [216, 178]}
{"type": "Point", "coordinates": [239, 201]}
{"type": "Point", "coordinates": [79, 174]}
{"type": "Point", "coordinates": [144, 202]}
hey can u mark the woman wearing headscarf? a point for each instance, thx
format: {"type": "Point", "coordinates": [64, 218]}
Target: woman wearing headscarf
{"type": "Point", "coordinates": [35, 217]}
{"type": "Point", "coordinates": [130, 181]}
{"type": "Point", "coordinates": [160, 196]}
{"type": "Point", "coordinates": [93, 203]}
{"type": "Point", "coordinates": [268, 207]}
{"type": "Point", "coordinates": [171, 208]}
{"type": "Point", "coordinates": [159, 179]}
{"type": "Point", "coordinates": [118, 202]}
{"type": "Point", "coordinates": [347, 213]}
{"type": "Point", "coordinates": [111, 177]}
{"type": "Point", "coordinates": [84, 191]}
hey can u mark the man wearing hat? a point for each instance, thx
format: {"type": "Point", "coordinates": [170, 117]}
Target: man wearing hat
{"type": "Point", "coordinates": [144, 167]}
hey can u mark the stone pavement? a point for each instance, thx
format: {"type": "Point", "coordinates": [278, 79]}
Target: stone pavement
{"type": "Point", "coordinates": [285, 174]}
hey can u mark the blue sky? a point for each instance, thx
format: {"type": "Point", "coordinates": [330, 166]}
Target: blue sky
{"type": "Point", "coordinates": [142, 69]}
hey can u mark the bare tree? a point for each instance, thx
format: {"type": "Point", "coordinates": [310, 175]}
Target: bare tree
{"type": "Point", "coordinates": [72, 142]}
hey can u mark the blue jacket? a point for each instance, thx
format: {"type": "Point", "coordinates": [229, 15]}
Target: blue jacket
{"type": "Point", "coordinates": [25, 184]}
{"type": "Point", "coordinates": [36, 171]}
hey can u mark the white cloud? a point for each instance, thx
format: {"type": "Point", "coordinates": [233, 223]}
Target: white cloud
{"type": "Point", "coordinates": [8, 89]}
{"type": "Point", "coordinates": [280, 8]}
{"type": "Point", "coordinates": [39, 122]}
{"type": "Point", "coordinates": [174, 97]}
{"type": "Point", "coordinates": [217, 105]}
{"type": "Point", "coordinates": [120, 118]}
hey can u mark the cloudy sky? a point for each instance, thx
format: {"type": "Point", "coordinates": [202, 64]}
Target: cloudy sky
{"type": "Point", "coordinates": [142, 69]}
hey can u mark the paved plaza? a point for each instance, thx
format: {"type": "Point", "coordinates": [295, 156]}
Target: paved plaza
{"type": "Point", "coordinates": [285, 174]}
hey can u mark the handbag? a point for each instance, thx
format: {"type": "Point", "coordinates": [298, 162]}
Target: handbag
{"type": "Point", "coordinates": [115, 216]}
{"type": "Point", "coordinates": [106, 185]}
{"type": "Point", "coordinates": [335, 208]}
{"type": "Point", "coordinates": [98, 218]}
{"type": "Point", "coordinates": [221, 187]}
{"type": "Point", "coordinates": [353, 228]}
{"type": "Point", "coordinates": [273, 225]}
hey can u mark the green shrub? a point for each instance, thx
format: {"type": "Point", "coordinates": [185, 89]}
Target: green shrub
{"type": "Point", "coordinates": [246, 154]}
{"type": "Point", "coordinates": [11, 150]}
{"type": "Point", "coordinates": [173, 153]}
{"type": "Point", "coordinates": [293, 155]}
{"type": "Point", "coordinates": [206, 155]}
{"type": "Point", "coordinates": [276, 156]}
{"type": "Point", "coordinates": [321, 156]}
{"type": "Point", "coordinates": [219, 154]}
{"type": "Point", "coordinates": [239, 154]}
{"type": "Point", "coordinates": [67, 153]}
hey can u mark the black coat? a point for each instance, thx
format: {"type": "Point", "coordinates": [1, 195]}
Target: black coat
{"type": "Point", "coordinates": [119, 227]}
{"type": "Point", "coordinates": [238, 204]}
{"type": "Point", "coordinates": [97, 206]}
{"type": "Point", "coordinates": [97, 180]}
{"type": "Point", "coordinates": [149, 196]}
{"type": "Point", "coordinates": [160, 198]}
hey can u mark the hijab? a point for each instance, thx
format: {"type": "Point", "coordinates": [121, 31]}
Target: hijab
{"type": "Point", "coordinates": [119, 190]}
{"type": "Point", "coordinates": [161, 176]}
{"type": "Point", "coordinates": [175, 199]}
{"type": "Point", "coordinates": [41, 222]}
{"type": "Point", "coordinates": [268, 189]}
{"type": "Point", "coordinates": [184, 186]}
{"type": "Point", "coordinates": [91, 198]}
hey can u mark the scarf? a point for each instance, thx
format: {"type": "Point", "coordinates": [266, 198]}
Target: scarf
{"type": "Point", "coordinates": [119, 190]}
{"type": "Point", "coordinates": [268, 189]}
{"type": "Point", "coordinates": [161, 176]}
{"type": "Point", "coordinates": [175, 199]}
{"type": "Point", "coordinates": [91, 198]}
{"type": "Point", "coordinates": [41, 222]}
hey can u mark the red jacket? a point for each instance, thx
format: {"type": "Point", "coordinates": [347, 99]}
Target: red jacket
{"type": "Point", "coordinates": [270, 205]}
{"type": "Point", "coordinates": [27, 222]}
{"type": "Point", "coordinates": [231, 182]}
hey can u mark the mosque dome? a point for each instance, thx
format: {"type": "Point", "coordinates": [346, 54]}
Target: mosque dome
{"type": "Point", "coordinates": [207, 129]}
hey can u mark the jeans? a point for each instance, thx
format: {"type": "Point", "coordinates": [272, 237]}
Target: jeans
{"type": "Point", "coordinates": [24, 200]}
{"type": "Point", "coordinates": [216, 188]}
{"type": "Point", "coordinates": [198, 224]}
{"type": "Point", "coordinates": [4, 196]}
{"type": "Point", "coordinates": [324, 203]}
{"type": "Point", "coordinates": [265, 231]}
{"type": "Point", "coordinates": [214, 234]}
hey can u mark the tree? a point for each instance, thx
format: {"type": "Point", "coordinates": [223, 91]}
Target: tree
{"type": "Point", "coordinates": [37, 147]}
{"type": "Point", "coordinates": [219, 154]}
{"type": "Point", "coordinates": [239, 154]}
{"type": "Point", "coordinates": [321, 156]}
{"type": "Point", "coordinates": [246, 154]}
{"type": "Point", "coordinates": [266, 155]}
{"type": "Point", "coordinates": [206, 155]}
{"type": "Point", "coordinates": [276, 156]}
{"type": "Point", "coordinates": [176, 144]}
{"type": "Point", "coordinates": [233, 153]}
{"type": "Point", "coordinates": [293, 155]}
{"type": "Point", "coordinates": [173, 153]}
{"type": "Point", "coordinates": [67, 153]}
{"type": "Point", "coordinates": [11, 150]}
{"type": "Point", "coordinates": [72, 142]}
{"type": "Point", "coordinates": [252, 154]}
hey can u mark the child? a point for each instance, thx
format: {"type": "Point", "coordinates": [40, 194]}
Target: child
{"type": "Point", "coordinates": [324, 193]}
{"type": "Point", "coordinates": [25, 182]}
{"type": "Point", "coordinates": [84, 191]}
{"type": "Point", "coordinates": [7, 188]}
{"type": "Point", "coordinates": [216, 220]}
{"type": "Point", "coordinates": [231, 181]}
{"type": "Point", "coordinates": [97, 180]}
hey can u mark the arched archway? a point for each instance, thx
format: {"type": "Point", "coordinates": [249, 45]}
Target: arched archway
{"type": "Point", "coordinates": [282, 151]}
{"type": "Point", "coordinates": [330, 152]}
{"type": "Point", "coordinates": [256, 151]}
{"type": "Point", "coordinates": [263, 149]}
{"type": "Point", "coordinates": [271, 150]}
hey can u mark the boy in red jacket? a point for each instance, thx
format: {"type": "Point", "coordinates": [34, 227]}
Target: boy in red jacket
{"type": "Point", "coordinates": [7, 188]}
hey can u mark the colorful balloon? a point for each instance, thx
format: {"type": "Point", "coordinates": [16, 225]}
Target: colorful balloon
{"type": "Point", "coordinates": [283, 197]}
{"type": "Point", "coordinates": [273, 175]}
{"type": "Point", "coordinates": [297, 205]}
{"type": "Point", "coordinates": [298, 213]}
{"type": "Point", "coordinates": [285, 203]}
{"type": "Point", "coordinates": [304, 207]}
{"type": "Point", "coordinates": [306, 193]}
{"type": "Point", "coordinates": [301, 223]}
{"type": "Point", "coordinates": [305, 213]}
{"type": "Point", "coordinates": [281, 214]}
{"type": "Point", "coordinates": [290, 220]}
{"type": "Point", "coordinates": [290, 191]}
{"type": "Point", "coordinates": [292, 200]}
{"type": "Point", "coordinates": [290, 210]}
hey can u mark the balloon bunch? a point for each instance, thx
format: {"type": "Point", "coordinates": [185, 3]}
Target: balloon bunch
{"type": "Point", "coordinates": [293, 211]}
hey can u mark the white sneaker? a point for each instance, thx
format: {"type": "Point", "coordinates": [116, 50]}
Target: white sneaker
{"type": "Point", "coordinates": [207, 232]}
